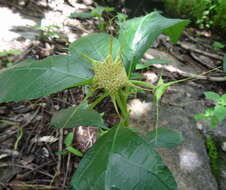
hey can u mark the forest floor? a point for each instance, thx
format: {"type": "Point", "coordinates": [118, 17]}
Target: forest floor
{"type": "Point", "coordinates": [28, 145]}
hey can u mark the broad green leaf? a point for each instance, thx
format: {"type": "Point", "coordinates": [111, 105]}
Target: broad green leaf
{"type": "Point", "coordinates": [74, 117]}
{"type": "Point", "coordinates": [164, 138]}
{"type": "Point", "coordinates": [95, 46]}
{"type": "Point", "coordinates": [122, 160]}
{"type": "Point", "coordinates": [212, 96]}
{"type": "Point", "coordinates": [175, 29]}
{"type": "Point", "coordinates": [222, 100]}
{"type": "Point", "coordinates": [74, 151]}
{"type": "Point", "coordinates": [69, 139]}
{"type": "Point", "coordinates": [151, 62]}
{"type": "Point", "coordinates": [220, 112]}
{"type": "Point", "coordinates": [224, 64]}
{"type": "Point", "coordinates": [33, 79]}
{"type": "Point", "coordinates": [138, 34]}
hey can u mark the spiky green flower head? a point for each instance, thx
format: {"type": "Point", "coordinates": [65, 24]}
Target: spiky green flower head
{"type": "Point", "coordinates": [109, 74]}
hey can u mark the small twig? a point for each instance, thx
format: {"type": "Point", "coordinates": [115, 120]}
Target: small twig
{"type": "Point", "coordinates": [60, 149]}
{"type": "Point", "coordinates": [190, 37]}
{"type": "Point", "coordinates": [90, 139]}
{"type": "Point", "coordinates": [35, 169]}
{"type": "Point", "coordinates": [171, 68]}
{"type": "Point", "coordinates": [7, 135]}
{"type": "Point", "coordinates": [34, 186]}
{"type": "Point", "coordinates": [77, 27]}
{"type": "Point", "coordinates": [197, 41]}
{"type": "Point", "coordinates": [67, 169]}
{"type": "Point", "coordinates": [68, 165]}
{"type": "Point", "coordinates": [20, 128]}
{"type": "Point", "coordinates": [72, 96]}
{"type": "Point", "coordinates": [204, 63]}
{"type": "Point", "coordinates": [69, 3]}
{"type": "Point", "coordinates": [31, 118]}
{"type": "Point", "coordinates": [187, 47]}
{"type": "Point", "coordinates": [10, 152]}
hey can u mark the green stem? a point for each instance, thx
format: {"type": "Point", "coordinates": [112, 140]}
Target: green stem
{"type": "Point", "coordinates": [87, 82]}
{"type": "Point", "coordinates": [19, 136]}
{"type": "Point", "coordinates": [123, 95]}
{"type": "Point", "coordinates": [143, 84]}
{"type": "Point", "coordinates": [193, 77]}
{"type": "Point", "coordinates": [122, 103]}
{"type": "Point", "coordinates": [113, 99]}
{"type": "Point", "coordinates": [157, 121]}
{"type": "Point", "coordinates": [99, 99]}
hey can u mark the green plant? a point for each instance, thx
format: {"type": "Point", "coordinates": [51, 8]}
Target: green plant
{"type": "Point", "coordinates": [6, 57]}
{"type": "Point", "coordinates": [203, 11]}
{"type": "Point", "coordinates": [219, 17]}
{"type": "Point", "coordinates": [49, 32]}
{"type": "Point", "coordinates": [214, 114]}
{"type": "Point", "coordinates": [96, 13]}
{"type": "Point", "coordinates": [68, 142]}
{"type": "Point", "coordinates": [217, 46]}
{"type": "Point", "coordinates": [206, 14]}
{"type": "Point", "coordinates": [121, 159]}
{"type": "Point", "coordinates": [210, 14]}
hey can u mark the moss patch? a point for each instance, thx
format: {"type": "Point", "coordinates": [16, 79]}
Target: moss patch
{"type": "Point", "coordinates": [213, 155]}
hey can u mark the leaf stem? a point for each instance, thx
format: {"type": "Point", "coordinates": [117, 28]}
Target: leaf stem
{"type": "Point", "coordinates": [121, 100]}
{"type": "Point", "coordinates": [99, 99]}
{"type": "Point", "coordinates": [143, 84]}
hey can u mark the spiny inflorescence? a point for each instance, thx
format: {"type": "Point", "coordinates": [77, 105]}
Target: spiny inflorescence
{"type": "Point", "coordinates": [110, 75]}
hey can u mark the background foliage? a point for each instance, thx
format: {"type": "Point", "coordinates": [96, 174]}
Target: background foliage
{"type": "Point", "coordinates": [210, 14]}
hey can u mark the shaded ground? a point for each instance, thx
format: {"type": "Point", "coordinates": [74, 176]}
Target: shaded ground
{"type": "Point", "coordinates": [28, 145]}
